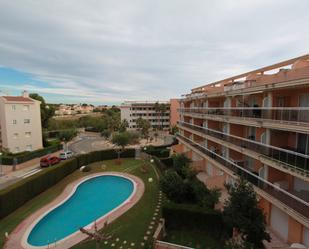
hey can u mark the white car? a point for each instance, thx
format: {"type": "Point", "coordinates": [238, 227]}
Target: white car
{"type": "Point", "coordinates": [66, 155]}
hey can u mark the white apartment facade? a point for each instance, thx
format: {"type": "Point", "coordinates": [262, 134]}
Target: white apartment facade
{"type": "Point", "coordinates": [132, 110]}
{"type": "Point", "coordinates": [20, 123]}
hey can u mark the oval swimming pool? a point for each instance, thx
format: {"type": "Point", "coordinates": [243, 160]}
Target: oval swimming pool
{"type": "Point", "coordinates": [92, 199]}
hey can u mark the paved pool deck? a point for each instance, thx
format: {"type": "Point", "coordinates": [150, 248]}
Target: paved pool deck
{"type": "Point", "coordinates": [17, 238]}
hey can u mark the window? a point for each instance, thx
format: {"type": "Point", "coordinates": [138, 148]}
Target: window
{"type": "Point", "coordinates": [29, 147]}
{"type": "Point", "coordinates": [14, 121]}
{"type": "Point", "coordinates": [26, 108]}
{"type": "Point", "coordinates": [28, 134]}
{"type": "Point", "coordinates": [14, 107]}
{"type": "Point", "coordinates": [15, 135]}
{"type": "Point", "coordinates": [26, 121]}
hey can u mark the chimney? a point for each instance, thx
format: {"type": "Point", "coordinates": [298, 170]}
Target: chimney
{"type": "Point", "coordinates": [25, 94]}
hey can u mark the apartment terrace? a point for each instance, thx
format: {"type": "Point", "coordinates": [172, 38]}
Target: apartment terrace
{"type": "Point", "coordinates": [294, 74]}
{"type": "Point", "coordinates": [289, 161]}
{"type": "Point", "coordinates": [287, 118]}
{"type": "Point", "coordinates": [294, 205]}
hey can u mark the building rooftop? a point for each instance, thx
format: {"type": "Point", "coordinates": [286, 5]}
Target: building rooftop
{"type": "Point", "coordinates": [289, 69]}
{"type": "Point", "coordinates": [17, 99]}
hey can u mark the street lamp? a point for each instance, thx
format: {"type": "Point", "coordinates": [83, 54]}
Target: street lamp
{"type": "Point", "coordinates": [1, 170]}
{"type": "Point", "coordinates": [64, 145]}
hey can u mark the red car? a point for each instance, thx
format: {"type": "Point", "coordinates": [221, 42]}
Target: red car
{"type": "Point", "coordinates": [49, 160]}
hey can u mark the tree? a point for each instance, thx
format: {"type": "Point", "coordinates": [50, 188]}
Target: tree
{"type": "Point", "coordinates": [181, 164]}
{"type": "Point", "coordinates": [162, 109]}
{"type": "Point", "coordinates": [112, 120]}
{"type": "Point", "coordinates": [121, 139]}
{"type": "Point", "coordinates": [105, 133]}
{"type": "Point", "coordinates": [123, 125]}
{"type": "Point", "coordinates": [156, 134]}
{"type": "Point", "coordinates": [46, 111]}
{"type": "Point", "coordinates": [242, 213]}
{"type": "Point", "coordinates": [173, 186]}
{"type": "Point", "coordinates": [144, 126]}
{"type": "Point", "coordinates": [66, 136]}
{"type": "Point", "coordinates": [157, 110]}
{"type": "Point", "coordinates": [174, 130]}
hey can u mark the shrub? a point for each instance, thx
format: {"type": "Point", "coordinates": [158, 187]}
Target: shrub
{"type": "Point", "coordinates": [192, 216]}
{"type": "Point", "coordinates": [26, 156]}
{"type": "Point", "coordinates": [19, 193]}
{"type": "Point", "coordinates": [181, 164]}
{"type": "Point", "coordinates": [168, 162]}
{"type": "Point", "coordinates": [173, 186]}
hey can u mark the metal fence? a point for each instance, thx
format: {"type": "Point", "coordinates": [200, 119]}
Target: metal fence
{"type": "Point", "coordinates": [295, 160]}
{"type": "Point", "coordinates": [288, 114]}
{"type": "Point", "coordinates": [287, 198]}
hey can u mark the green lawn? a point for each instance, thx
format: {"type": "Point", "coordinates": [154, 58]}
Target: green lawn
{"type": "Point", "coordinates": [193, 238]}
{"type": "Point", "coordinates": [130, 227]}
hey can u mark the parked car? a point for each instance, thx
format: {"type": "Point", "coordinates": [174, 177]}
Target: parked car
{"type": "Point", "coordinates": [66, 155]}
{"type": "Point", "coordinates": [49, 160]}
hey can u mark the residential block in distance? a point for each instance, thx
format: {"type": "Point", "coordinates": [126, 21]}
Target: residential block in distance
{"type": "Point", "coordinates": [132, 110]}
{"type": "Point", "coordinates": [255, 125]}
{"type": "Point", "coordinates": [20, 123]}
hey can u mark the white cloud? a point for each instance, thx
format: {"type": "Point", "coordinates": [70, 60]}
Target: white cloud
{"type": "Point", "coordinates": [146, 49]}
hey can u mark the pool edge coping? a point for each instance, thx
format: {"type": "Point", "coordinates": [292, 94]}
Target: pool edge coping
{"type": "Point", "coordinates": [20, 234]}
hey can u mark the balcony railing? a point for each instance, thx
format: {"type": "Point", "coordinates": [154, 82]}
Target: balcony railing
{"type": "Point", "coordinates": [283, 114]}
{"type": "Point", "coordinates": [293, 160]}
{"type": "Point", "coordinates": [285, 197]}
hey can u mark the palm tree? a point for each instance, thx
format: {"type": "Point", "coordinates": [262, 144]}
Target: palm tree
{"type": "Point", "coordinates": [163, 109]}
{"type": "Point", "coordinates": [157, 109]}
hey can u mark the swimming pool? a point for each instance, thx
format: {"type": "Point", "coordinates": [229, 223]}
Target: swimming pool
{"type": "Point", "coordinates": [91, 200]}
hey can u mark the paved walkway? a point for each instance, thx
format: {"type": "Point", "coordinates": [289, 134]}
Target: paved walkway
{"type": "Point", "coordinates": [275, 242]}
{"type": "Point", "coordinates": [22, 171]}
{"type": "Point", "coordinates": [16, 238]}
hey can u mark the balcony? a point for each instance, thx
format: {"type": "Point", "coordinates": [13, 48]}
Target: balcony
{"type": "Point", "coordinates": [287, 159]}
{"type": "Point", "coordinates": [285, 117]}
{"type": "Point", "coordinates": [281, 114]}
{"type": "Point", "coordinates": [191, 96]}
{"type": "Point", "coordinates": [265, 188]}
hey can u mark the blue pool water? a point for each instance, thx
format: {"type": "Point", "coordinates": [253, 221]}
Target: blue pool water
{"type": "Point", "coordinates": [91, 200]}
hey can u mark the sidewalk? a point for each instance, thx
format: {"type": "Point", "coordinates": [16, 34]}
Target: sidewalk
{"type": "Point", "coordinates": [11, 176]}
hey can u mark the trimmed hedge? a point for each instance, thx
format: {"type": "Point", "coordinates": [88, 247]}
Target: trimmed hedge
{"type": "Point", "coordinates": [19, 193]}
{"type": "Point", "coordinates": [168, 162]}
{"type": "Point", "coordinates": [158, 152]}
{"type": "Point", "coordinates": [192, 216]}
{"type": "Point", "coordinates": [26, 156]}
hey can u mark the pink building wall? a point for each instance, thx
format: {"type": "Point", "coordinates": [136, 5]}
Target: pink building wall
{"type": "Point", "coordinates": [174, 115]}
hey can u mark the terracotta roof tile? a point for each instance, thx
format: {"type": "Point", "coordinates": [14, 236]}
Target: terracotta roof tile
{"type": "Point", "coordinates": [17, 99]}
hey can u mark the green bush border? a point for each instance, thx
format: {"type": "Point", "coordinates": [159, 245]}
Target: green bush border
{"type": "Point", "coordinates": [19, 193]}
{"type": "Point", "coordinates": [26, 156]}
{"type": "Point", "coordinates": [192, 216]}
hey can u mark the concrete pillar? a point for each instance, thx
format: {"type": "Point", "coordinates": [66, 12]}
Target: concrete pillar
{"type": "Point", "coordinates": [270, 99]}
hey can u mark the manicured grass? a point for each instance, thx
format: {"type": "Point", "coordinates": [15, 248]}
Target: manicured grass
{"type": "Point", "coordinates": [193, 238]}
{"type": "Point", "coordinates": [131, 226]}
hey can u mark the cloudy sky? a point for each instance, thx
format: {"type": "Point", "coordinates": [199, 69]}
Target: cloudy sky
{"type": "Point", "coordinates": [101, 51]}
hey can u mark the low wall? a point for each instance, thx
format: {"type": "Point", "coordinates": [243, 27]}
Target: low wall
{"type": "Point", "coordinates": [165, 245]}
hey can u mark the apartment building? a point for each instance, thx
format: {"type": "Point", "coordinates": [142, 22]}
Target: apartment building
{"type": "Point", "coordinates": [255, 125]}
{"type": "Point", "coordinates": [132, 110]}
{"type": "Point", "coordinates": [20, 123]}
